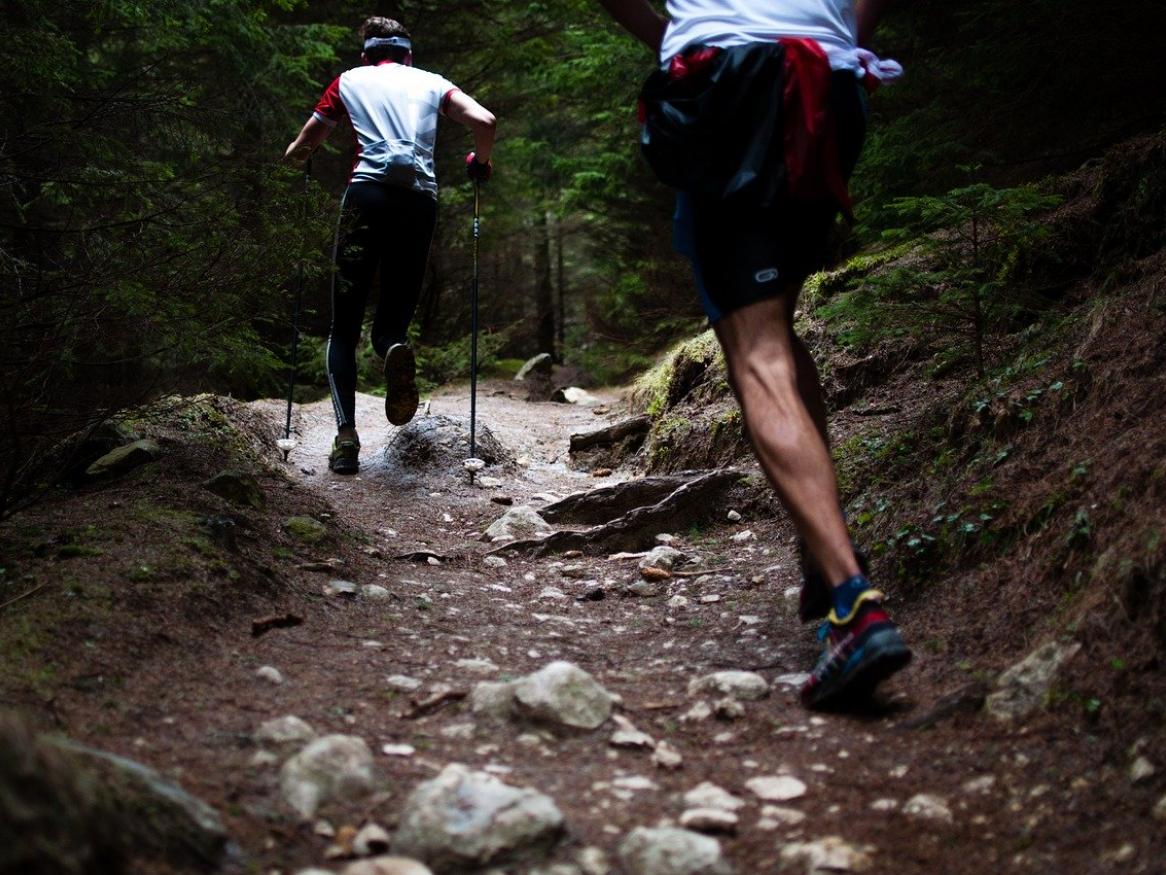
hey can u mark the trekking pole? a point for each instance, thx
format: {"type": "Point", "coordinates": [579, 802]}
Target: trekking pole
{"type": "Point", "coordinates": [287, 443]}
{"type": "Point", "coordinates": [473, 464]}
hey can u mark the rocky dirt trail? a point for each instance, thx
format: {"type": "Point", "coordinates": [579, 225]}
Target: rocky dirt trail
{"type": "Point", "coordinates": [573, 714]}
{"type": "Point", "coordinates": [698, 671]}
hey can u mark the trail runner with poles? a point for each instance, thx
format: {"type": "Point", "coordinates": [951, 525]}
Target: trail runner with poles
{"type": "Point", "coordinates": [388, 212]}
{"type": "Point", "coordinates": [756, 117]}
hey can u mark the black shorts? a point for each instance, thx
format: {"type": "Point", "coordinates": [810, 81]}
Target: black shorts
{"type": "Point", "coordinates": [742, 255]}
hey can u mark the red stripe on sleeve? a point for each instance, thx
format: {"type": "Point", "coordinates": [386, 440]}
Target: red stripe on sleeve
{"type": "Point", "coordinates": [445, 99]}
{"type": "Point", "coordinates": [330, 106]}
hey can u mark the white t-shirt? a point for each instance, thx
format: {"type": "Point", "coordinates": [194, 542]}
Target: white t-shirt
{"type": "Point", "coordinates": [726, 23]}
{"type": "Point", "coordinates": [393, 109]}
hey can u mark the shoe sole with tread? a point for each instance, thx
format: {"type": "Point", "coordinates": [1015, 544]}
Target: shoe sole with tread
{"type": "Point", "coordinates": [401, 396]}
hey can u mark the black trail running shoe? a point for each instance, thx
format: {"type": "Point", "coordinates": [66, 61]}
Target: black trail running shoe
{"type": "Point", "coordinates": [345, 456]}
{"type": "Point", "coordinates": [858, 654]}
{"type": "Point", "coordinates": [401, 398]}
{"type": "Point", "coordinates": [814, 599]}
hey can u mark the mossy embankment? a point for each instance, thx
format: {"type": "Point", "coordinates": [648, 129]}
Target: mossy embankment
{"type": "Point", "coordinates": [1012, 507]}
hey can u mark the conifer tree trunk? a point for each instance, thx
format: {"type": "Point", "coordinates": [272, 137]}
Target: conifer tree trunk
{"type": "Point", "coordinates": [544, 291]}
{"type": "Point", "coordinates": [562, 319]}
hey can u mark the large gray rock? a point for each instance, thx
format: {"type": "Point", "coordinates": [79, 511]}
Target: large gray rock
{"type": "Point", "coordinates": [125, 458]}
{"type": "Point", "coordinates": [564, 695]}
{"type": "Point", "coordinates": [332, 767]}
{"type": "Point", "coordinates": [463, 819]}
{"type": "Point", "coordinates": [440, 444]}
{"type": "Point", "coordinates": [66, 807]}
{"type": "Point", "coordinates": [671, 851]}
{"type": "Point", "coordinates": [518, 522]}
{"type": "Point", "coordinates": [1024, 688]}
{"type": "Point", "coordinates": [738, 684]}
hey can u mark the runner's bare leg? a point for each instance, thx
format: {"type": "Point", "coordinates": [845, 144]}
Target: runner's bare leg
{"type": "Point", "coordinates": [768, 373]}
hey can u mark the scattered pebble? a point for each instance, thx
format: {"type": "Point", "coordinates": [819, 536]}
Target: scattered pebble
{"type": "Point", "coordinates": [982, 784]}
{"type": "Point", "coordinates": [1159, 811]}
{"type": "Point", "coordinates": [285, 730]}
{"type": "Point", "coordinates": [699, 711]}
{"type": "Point", "coordinates": [402, 682]}
{"type": "Point", "coordinates": [783, 815]}
{"type": "Point", "coordinates": [270, 674]}
{"type": "Point", "coordinates": [712, 820]}
{"type": "Point", "coordinates": [743, 536]}
{"type": "Point", "coordinates": [829, 854]}
{"type": "Point", "coordinates": [398, 750]}
{"type": "Point", "coordinates": [728, 708]}
{"type": "Point", "coordinates": [1123, 854]}
{"type": "Point", "coordinates": [375, 592]}
{"type": "Point", "coordinates": [626, 735]}
{"type": "Point", "coordinates": [733, 517]}
{"type": "Point", "coordinates": [737, 684]}
{"type": "Point", "coordinates": [666, 756]}
{"type": "Point", "coordinates": [341, 589]}
{"type": "Point", "coordinates": [709, 795]}
{"type": "Point", "coordinates": [927, 806]}
{"type": "Point", "coordinates": [671, 851]}
{"type": "Point", "coordinates": [370, 841]}
{"type": "Point", "coordinates": [776, 788]}
{"type": "Point", "coordinates": [1141, 770]}
{"type": "Point", "coordinates": [634, 782]}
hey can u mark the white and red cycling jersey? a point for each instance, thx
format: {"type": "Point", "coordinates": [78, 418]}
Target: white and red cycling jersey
{"type": "Point", "coordinates": [393, 109]}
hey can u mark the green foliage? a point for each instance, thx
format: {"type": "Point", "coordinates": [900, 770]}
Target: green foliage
{"type": "Point", "coordinates": [438, 365]}
{"type": "Point", "coordinates": [147, 237]}
{"type": "Point", "coordinates": [959, 287]}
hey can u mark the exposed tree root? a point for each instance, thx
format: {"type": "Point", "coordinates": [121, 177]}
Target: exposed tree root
{"type": "Point", "coordinates": [692, 502]}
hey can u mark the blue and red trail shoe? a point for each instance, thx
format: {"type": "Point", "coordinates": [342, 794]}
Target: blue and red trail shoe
{"type": "Point", "coordinates": [860, 651]}
{"type": "Point", "coordinates": [814, 598]}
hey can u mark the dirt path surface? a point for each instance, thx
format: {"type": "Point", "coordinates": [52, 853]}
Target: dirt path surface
{"type": "Point", "coordinates": [905, 788]}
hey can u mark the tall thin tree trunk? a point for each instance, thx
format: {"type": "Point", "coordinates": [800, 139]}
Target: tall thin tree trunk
{"type": "Point", "coordinates": [560, 328]}
{"type": "Point", "coordinates": [544, 299]}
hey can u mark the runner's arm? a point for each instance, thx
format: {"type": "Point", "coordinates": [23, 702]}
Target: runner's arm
{"type": "Point", "coordinates": [464, 110]}
{"type": "Point", "coordinates": [311, 136]}
{"type": "Point", "coordinates": [869, 13]}
{"type": "Point", "coordinates": [639, 19]}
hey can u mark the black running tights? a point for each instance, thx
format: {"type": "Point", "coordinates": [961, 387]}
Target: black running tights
{"type": "Point", "coordinates": [385, 227]}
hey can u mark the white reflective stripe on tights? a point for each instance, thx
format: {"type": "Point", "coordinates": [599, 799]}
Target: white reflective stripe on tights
{"type": "Point", "coordinates": [337, 408]}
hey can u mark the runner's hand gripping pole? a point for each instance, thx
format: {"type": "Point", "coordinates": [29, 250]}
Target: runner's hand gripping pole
{"type": "Point", "coordinates": [287, 443]}
{"type": "Point", "coordinates": [473, 464]}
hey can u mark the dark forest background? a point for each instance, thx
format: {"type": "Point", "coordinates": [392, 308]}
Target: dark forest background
{"type": "Point", "coordinates": [150, 239]}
